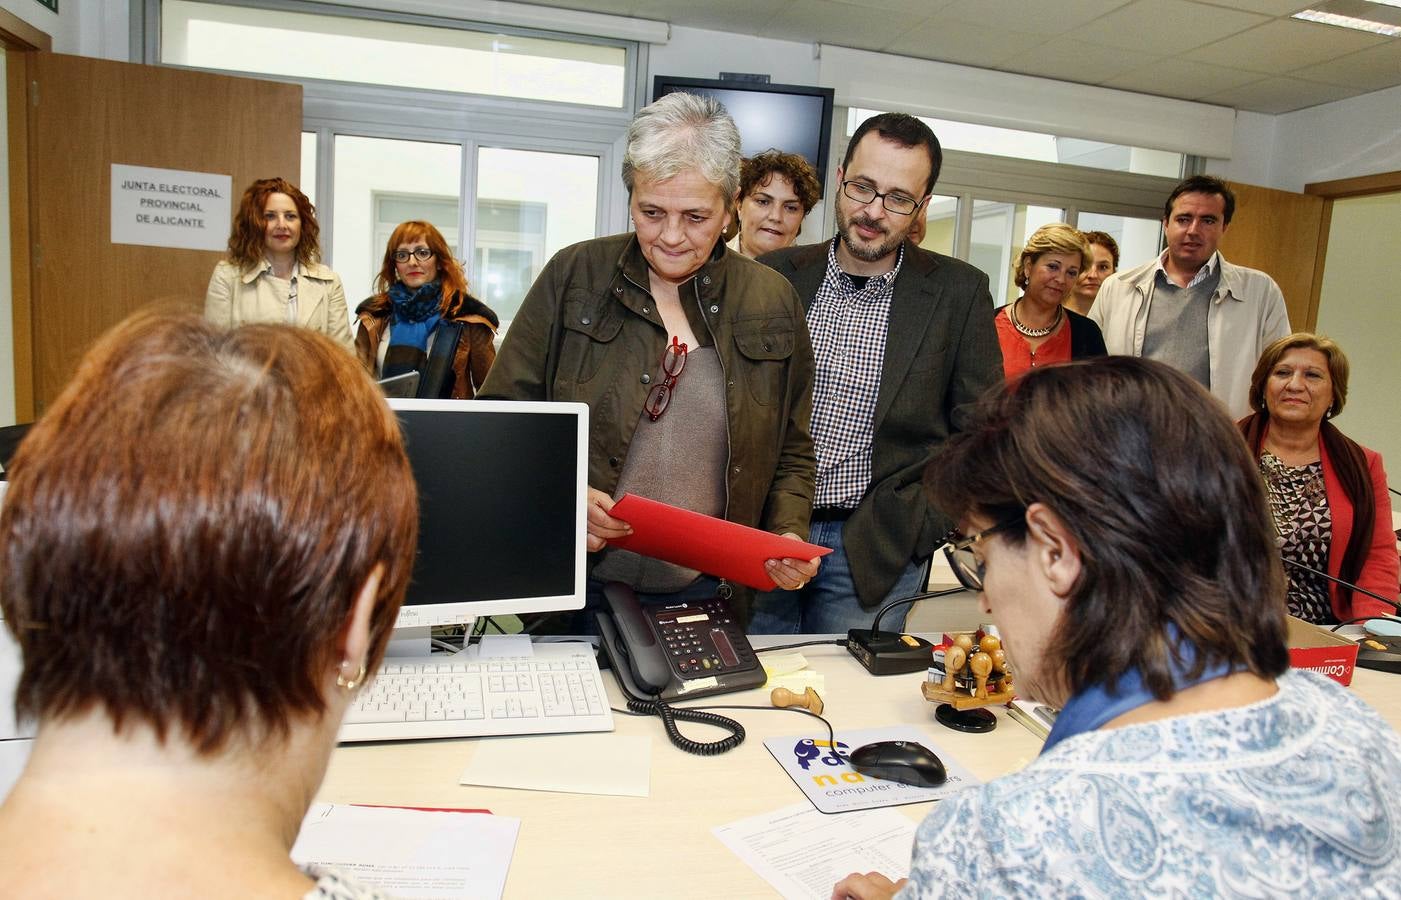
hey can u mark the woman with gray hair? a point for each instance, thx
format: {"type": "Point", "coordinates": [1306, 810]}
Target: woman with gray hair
{"type": "Point", "coordinates": [694, 360]}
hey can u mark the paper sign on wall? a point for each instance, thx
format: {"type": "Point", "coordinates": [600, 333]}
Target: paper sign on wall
{"type": "Point", "coordinates": [170, 208]}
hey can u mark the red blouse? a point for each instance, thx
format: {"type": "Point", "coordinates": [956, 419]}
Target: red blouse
{"type": "Point", "coordinates": [1017, 355]}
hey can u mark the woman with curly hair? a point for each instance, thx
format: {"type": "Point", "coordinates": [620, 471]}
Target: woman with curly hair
{"type": "Point", "coordinates": [273, 272]}
{"type": "Point", "coordinates": [776, 192]}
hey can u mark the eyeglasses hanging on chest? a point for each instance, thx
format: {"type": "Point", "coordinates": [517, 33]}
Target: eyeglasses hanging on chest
{"type": "Point", "coordinates": [673, 361]}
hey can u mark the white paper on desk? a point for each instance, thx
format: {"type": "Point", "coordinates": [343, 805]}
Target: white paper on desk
{"type": "Point", "coordinates": [409, 853]}
{"type": "Point", "coordinates": [597, 763]}
{"type": "Point", "coordinates": [834, 786]}
{"type": "Point", "coordinates": [803, 853]}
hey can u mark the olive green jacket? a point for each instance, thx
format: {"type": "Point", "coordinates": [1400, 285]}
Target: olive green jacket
{"type": "Point", "coordinates": [589, 331]}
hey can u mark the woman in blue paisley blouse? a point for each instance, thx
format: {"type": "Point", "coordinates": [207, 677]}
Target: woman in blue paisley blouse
{"type": "Point", "coordinates": [1118, 533]}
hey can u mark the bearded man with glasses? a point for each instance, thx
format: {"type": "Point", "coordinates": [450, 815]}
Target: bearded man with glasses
{"type": "Point", "coordinates": [903, 339]}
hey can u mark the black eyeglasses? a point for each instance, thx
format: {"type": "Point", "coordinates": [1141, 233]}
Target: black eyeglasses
{"type": "Point", "coordinates": [422, 254]}
{"type": "Point", "coordinates": [673, 361]}
{"type": "Point", "coordinates": [864, 193]}
{"type": "Point", "coordinates": [964, 562]}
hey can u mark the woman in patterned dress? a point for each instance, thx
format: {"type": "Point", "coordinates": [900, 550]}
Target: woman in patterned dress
{"type": "Point", "coordinates": [1327, 492]}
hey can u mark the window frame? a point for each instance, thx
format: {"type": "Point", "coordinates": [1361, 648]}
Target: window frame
{"type": "Point", "coordinates": [1004, 179]}
{"type": "Point", "coordinates": [335, 108]}
{"type": "Point", "coordinates": [146, 46]}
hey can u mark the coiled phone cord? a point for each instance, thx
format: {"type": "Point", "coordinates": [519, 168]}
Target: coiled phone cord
{"type": "Point", "coordinates": [671, 714]}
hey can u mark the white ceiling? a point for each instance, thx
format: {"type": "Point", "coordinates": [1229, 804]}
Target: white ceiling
{"type": "Point", "coordinates": [1246, 54]}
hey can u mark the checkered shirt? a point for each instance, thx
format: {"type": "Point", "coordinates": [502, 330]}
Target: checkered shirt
{"type": "Point", "coordinates": [848, 343]}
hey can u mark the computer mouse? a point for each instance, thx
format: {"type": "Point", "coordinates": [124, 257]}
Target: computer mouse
{"type": "Point", "coordinates": [904, 761]}
{"type": "Point", "coordinates": [1382, 627]}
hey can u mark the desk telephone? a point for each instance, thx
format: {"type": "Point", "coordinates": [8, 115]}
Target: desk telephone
{"type": "Point", "coordinates": [676, 650]}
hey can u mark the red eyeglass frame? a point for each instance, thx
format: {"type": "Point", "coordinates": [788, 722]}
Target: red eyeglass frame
{"type": "Point", "coordinates": [673, 361]}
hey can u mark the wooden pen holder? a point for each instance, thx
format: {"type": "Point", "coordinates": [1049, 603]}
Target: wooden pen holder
{"type": "Point", "coordinates": [976, 674]}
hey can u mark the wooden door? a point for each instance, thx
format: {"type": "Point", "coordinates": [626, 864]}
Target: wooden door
{"type": "Point", "coordinates": [1285, 235]}
{"type": "Point", "coordinates": [79, 117]}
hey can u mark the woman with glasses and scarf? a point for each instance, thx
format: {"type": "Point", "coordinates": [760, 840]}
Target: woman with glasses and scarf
{"type": "Point", "coordinates": [273, 272]}
{"type": "Point", "coordinates": [1118, 534]}
{"type": "Point", "coordinates": [423, 320]}
{"type": "Point", "coordinates": [693, 359]}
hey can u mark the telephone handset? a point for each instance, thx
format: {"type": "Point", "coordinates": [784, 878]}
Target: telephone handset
{"type": "Point", "coordinates": [675, 650]}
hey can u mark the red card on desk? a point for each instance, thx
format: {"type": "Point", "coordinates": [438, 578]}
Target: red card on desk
{"type": "Point", "coordinates": [711, 545]}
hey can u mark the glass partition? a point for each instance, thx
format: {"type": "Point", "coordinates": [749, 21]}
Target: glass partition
{"type": "Point", "coordinates": [1000, 231]}
{"type": "Point", "coordinates": [529, 205]}
{"type": "Point", "coordinates": [370, 51]}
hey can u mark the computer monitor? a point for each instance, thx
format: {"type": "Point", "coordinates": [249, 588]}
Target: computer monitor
{"type": "Point", "coordinates": [502, 492]}
{"type": "Point", "coordinates": [793, 118]}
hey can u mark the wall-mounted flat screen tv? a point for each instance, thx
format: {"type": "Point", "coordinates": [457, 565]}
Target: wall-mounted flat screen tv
{"type": "Point", "coordinates": [793, 118]}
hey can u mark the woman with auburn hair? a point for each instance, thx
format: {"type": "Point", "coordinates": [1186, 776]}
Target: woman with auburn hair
{"type": "Point", "coordinates": [273, 272]}
{"type": "Point", "coordinates": [1117, 533]}
{"type": "Point", "coordinates": [1036, 329]}
{"type": "Point", "coordinates": [422, 312]}
{"type": "Point", "coordinates": [1327, 492]}
{"type": "Point", "coordinates": [203, 549]}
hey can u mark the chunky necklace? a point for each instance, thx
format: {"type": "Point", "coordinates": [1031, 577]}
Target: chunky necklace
{"type": "Point", "coordinates": [1033, 332]}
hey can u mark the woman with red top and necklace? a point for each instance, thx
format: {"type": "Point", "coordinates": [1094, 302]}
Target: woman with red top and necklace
{"type": "Point", "coordinates": [1035, 329]}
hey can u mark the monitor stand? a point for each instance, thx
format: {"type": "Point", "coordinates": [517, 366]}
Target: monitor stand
{"type": "Point", "coordinates": [415, 642]}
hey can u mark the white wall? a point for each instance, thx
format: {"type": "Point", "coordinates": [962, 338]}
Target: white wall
{"type": "Point", "coordinates": [1252, 151]}
{"type": "Point", "coordinates": [1357, 308]}
{"type": "Point", "coordinates": [367, 165]}
{"type": "Point", "coordinates": [1343, 139]}
{"type": "Point", "coordinates": [697, 53]}
{"type": "Point", "coordinates": [62, 26]}
{"type": "Point", "coordinates": [98, 28]}
{"type": "Point", "coordinates": [1347, 138]}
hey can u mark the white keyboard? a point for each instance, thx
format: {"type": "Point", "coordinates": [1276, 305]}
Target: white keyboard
{"type": "Point", "coordinates": [556, 689]}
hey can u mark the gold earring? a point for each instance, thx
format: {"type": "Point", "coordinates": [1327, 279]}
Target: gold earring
{"type": "Point", "coordinates": [352, 683]}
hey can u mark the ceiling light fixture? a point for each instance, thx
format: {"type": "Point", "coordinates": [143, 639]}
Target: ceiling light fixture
{"type": "Point", "coordinates": [1327, 18]}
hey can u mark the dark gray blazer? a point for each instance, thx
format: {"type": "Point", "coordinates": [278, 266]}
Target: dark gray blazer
{"type": "Point", "coordinates": [941, 353]}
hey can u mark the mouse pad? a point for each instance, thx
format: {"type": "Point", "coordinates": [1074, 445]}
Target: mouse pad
{"type": "Point", "coordinates": [833, 786]}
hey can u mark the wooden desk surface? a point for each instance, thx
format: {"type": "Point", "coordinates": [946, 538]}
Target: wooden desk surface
{"type": "Point", "coordinates": [592, 846]}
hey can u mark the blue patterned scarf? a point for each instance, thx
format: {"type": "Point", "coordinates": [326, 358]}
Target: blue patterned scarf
{"type": "Point", "coordinates": [414, 305]}
{"type": "Point", "coordinates": [414, 314]}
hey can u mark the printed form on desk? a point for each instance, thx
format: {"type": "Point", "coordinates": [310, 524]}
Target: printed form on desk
{"type": "Point", "coordinates": [803, 853]}
{"type": "Point", "coordinates": [409, 853]}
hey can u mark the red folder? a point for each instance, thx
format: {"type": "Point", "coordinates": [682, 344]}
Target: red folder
{"type": "Point", "coordinates": [714, 546]}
